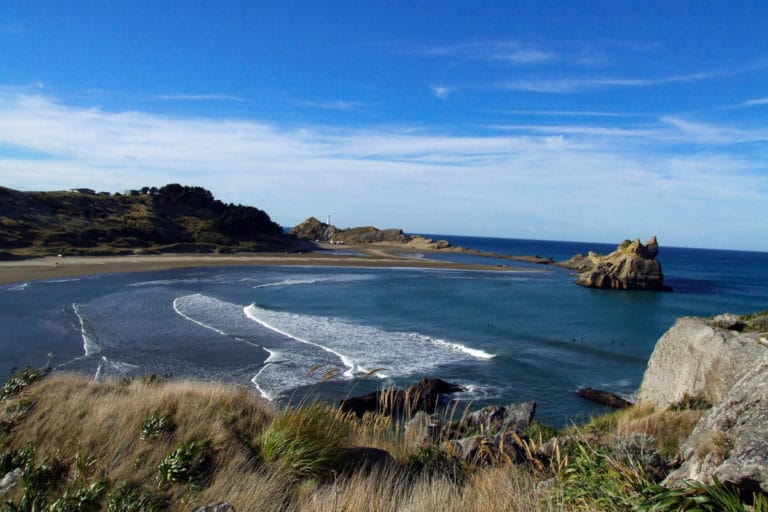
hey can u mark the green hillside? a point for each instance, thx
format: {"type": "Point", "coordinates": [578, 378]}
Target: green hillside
{"type": "Point", "coordinates": [173, 217]}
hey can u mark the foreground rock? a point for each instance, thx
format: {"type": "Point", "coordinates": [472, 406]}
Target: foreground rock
{"type": "Point", "coordinates": [696, 358]}
{"type": "Point", "coordinates": [632, 266]}
{"type": "Point", "coordinates": [721, 361]}
{"type": "Point", "coordinates": [424, 396]}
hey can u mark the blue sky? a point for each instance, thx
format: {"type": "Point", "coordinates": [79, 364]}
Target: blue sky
{"type": "Point", "coordinates": [580, 120]}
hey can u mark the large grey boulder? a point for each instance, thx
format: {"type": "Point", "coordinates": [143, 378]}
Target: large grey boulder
{"type": "Point", "coordinates": [723, 360]}
{"type": "Point", "coordinates": [730, 441]}
{"type": "Point", "coordinates": [697, 358]}
{"type": "Point", "coordinates": [495, 419]}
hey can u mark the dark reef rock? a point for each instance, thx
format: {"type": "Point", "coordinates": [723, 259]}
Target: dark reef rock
{"type": "Point", "coordinates": [604, 397]}
{"type": "Point", "coordinates": [632, 266]}
{"type": "Point", "coordinates": [424, 396]}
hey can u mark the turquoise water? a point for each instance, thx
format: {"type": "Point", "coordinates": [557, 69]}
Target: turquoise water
{"type": "Point", "coordinates": [506, 336]}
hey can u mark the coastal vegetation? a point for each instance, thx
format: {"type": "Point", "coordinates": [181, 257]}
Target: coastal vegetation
{"type": "Point", "coordinates": [69, 443]}
{"type": "Point", "coordinates": [172, 218]}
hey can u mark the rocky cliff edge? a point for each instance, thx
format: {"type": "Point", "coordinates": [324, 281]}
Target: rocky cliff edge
{"type": "Point", "coordinates": [722, 361]}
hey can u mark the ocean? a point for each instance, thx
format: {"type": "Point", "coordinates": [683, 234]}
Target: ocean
{"type": "Point", "coordinates": [505, 336]}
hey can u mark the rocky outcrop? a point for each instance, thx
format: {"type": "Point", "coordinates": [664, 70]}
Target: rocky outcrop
{"type": "Point", "coordinates": [696, 358]}
{"type": "Point", "coordinates": [500, 418]}
{"type": "Point", "coordinates": [730, 443]}
{"type": "Point", "coordinates": [722, 361]}
{"type": "Point", "coordinates": [424, 396]}
{"type": "Point", "coordinates": [318, 231]}
{"type": "Point", "coordinates": [632, 266]}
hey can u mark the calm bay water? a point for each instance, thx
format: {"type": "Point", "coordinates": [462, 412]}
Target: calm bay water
{"type": "Point", "coordinates": [507, 337]}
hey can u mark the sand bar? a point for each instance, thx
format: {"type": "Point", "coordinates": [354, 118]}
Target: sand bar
{"type": "Point", "coordinates": [52, 267]}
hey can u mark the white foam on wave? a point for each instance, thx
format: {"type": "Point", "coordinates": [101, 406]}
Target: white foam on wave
{"type": "Point", "coordinates": [251, 312]}
{"type": "Point", "coordinates": [16, 288]}
{"type": "Point", "coordinates": [364, 348]}
{"type": "Point", "coordinates": [287, 363]}
{"type": "Point", "coordinates": [273, 356]}
{"type": "Point", "coordinates": [187, 301]}
{"type": "Point", "coordinates": [474, 352]}
{"type": "Point", "coordinates": [88, 343]}
{"type": "Point", "coordinates": [342, 278]}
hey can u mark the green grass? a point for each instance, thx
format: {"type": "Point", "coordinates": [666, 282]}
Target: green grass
{"type": "Point", "coordinates": [309, 441]}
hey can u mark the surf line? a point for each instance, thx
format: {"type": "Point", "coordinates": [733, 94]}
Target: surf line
{"type": "Point", "coordinates": [87, 341]}
{"type": "Point", "coordinates": [219, 331]}
{"type": "Point", "coordinates": [255, 379]}
{"type": "Point", "coordinates": [201, 324]}
{"type": "Point", "coordinates": [250, 312]}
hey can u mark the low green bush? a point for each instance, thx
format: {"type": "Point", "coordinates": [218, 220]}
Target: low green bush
{"type": "Point", "coordinates": [86, 499]}
{"type": "Point", "coordinates": [157, 425]}
{"type": "Point", "coordinates": [308, 441]}
{"type": "Point", "coordinates": [19, 380]}
{"type": "Point", "coordinates": [132, 498]}
{"type": "Point", "coordinates": [189, 463]}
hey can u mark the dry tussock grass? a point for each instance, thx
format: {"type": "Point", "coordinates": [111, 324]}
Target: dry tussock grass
{"type": "Point", "coordinates": [101, 424]}
{"type": "Point", "coordinates": [668, 427]}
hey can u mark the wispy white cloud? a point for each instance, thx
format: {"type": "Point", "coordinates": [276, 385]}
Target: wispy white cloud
{"type": "Point", "coordinates": [441, 91]}
{"type": "Point", "coordinates": [334, 105]}
{"type": "Point", "coordinates": [423, 180]}
{"type": "Point", "coordinates": [513, 52]}
{"type": "Point", "coordinates": [569, 113]}
{"type": "Point", "coordinates": [755, 102]}
{"type": "Point", "coordinates": [198, 97]}
{"type": "Point", "coordinates": [589, 84]}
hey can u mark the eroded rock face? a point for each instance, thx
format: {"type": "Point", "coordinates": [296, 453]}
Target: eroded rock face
{"type": "Point", "coordinates": [697, 358]}
{"type": "Point", "coordinates": [723, 361]}
{"type": "Point", "coordinates": [730, 441]}
{"type": "Point", "coordinates": [632, 266]}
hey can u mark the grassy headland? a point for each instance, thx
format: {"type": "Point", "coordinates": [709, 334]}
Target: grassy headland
{"type": "Point", "coordinates": [172, 218]}
{"type": "Point", "coordinates": [146, 444]}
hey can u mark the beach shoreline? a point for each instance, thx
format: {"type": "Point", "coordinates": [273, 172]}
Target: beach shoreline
{"type": "Point", "coordinates": [376, 256]}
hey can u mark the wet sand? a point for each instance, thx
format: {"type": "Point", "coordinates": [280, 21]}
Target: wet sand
{"type": "Point", "coordinates": [52, 267]}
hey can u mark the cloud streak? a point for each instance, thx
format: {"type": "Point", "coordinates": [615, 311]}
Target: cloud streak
{"type": "Point", "coordinates": [198, 97]}
{"type": "Point", "coordinates": [580, 85]}
{"type": "Point", "coordinates": [511, 52]}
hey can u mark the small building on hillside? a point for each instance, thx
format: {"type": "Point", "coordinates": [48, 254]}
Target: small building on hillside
{"type": "Point", "coordinates": [83, 191]}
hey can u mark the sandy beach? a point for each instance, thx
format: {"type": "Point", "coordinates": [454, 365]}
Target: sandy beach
{"type": "Point", "coordinates": [52, 267]}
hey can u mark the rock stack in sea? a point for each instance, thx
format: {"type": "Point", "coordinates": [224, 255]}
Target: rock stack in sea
{"type": "Point", "coordinates": [632, 266]}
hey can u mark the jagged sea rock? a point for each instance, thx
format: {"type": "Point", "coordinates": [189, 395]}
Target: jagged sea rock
{"type": "Point", "coordinates": [632, 266]}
